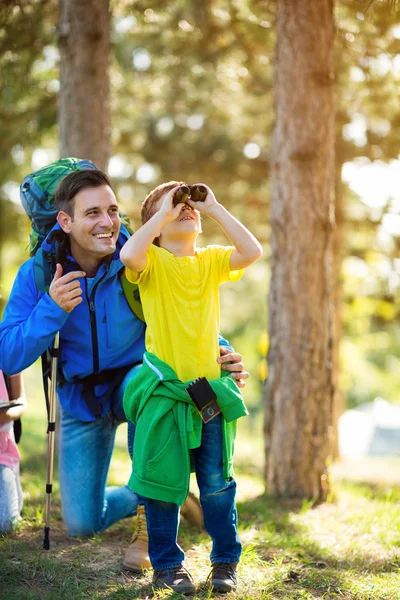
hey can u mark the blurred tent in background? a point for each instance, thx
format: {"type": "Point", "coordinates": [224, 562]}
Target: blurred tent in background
{"type": "Point", "coordinates": [371, 429]}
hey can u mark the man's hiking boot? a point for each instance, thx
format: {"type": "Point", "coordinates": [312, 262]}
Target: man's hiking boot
{"type": "Point", "coordinates": [177, 579]}
{"type": "Point", "coordinates": [137, 556]}
{"type": "Point", "coordinates": [222, 577]}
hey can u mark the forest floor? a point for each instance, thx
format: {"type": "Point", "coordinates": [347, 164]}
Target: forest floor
{"type": "Point", "coordinates": [348, 548]}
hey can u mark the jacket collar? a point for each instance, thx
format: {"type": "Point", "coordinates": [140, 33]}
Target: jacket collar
{"type": "Point", "coordinates": [113, 267]}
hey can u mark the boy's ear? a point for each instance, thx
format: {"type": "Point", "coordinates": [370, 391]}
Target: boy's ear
{"type": "Point", "coordinates": [64, 221]}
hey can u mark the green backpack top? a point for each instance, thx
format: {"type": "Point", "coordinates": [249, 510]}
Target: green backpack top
{"type": "Point", "coordinates": [37, 197]}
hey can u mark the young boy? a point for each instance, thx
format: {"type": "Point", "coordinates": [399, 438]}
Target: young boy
{"type": "Point", "coordinates": [182, 345]}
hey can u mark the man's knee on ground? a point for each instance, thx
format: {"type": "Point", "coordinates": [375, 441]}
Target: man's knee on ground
{"type": "Point", "coordinates": [81, 531]}
{"type": "Point", "coordinates": [79, 525]}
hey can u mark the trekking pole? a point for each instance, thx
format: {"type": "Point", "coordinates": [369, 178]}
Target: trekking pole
{"type": "Point", "coordinates": [50, 440]}
{"type": "Point", "coordinates": [59, 248]}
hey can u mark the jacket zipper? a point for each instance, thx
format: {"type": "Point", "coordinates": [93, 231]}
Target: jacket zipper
{"type": "Point", "coordinates": [93, 326]}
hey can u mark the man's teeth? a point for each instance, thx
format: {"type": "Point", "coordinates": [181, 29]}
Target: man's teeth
{"type": "Point", "coordinates": [103, 235]}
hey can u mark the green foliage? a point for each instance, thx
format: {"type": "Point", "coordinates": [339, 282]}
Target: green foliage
{"type": "Point", "coordinates": [193, 110]}
{"type": "Point", "coordinates": [28, 87]}
{"type": "Point", "coordinates": [367, 131]}
{"type": "Point", "coordinates": [28, 84]}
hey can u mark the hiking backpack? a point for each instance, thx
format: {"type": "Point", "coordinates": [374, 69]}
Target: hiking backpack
{"type": "Point", "coordinates": [37, 197]}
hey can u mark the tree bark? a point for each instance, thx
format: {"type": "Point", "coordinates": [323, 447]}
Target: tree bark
{"type": "Point", "coordinates": [84, 105]}
{"type": "Point", "coordinates": [299, 389]}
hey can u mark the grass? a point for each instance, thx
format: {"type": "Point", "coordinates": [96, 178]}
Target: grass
{"type": "Point", "coordinates": [349, 549]}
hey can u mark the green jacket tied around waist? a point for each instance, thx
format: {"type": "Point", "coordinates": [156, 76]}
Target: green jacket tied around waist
{"type": "Point", "coordinates": [168, 426]}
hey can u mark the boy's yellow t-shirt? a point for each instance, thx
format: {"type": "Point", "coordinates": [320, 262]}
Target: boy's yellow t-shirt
{"type": "Point", "coordinates": [180, 299]}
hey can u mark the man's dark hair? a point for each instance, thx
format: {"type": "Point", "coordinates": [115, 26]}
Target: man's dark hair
{"type": "Point", "coordinates": [74, 183]}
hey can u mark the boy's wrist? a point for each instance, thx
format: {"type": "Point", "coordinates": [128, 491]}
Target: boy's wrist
{"type": "Point", "coordinates": [215, 211]}
{"type": "Point", "coordinates": [160, 219]}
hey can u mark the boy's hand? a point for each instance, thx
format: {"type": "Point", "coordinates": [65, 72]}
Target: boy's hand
{"type": "Point", "coordinates": [167, 209]}
{"type": "Point", "coordinates": [209, 202]}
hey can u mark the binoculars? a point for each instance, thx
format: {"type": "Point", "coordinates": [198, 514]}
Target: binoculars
{"type": "Point", "coordinates": [197, 193]}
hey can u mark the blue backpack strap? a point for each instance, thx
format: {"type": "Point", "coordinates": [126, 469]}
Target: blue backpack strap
{"type": "Point", "coordinates": [57, 244]}
{"type": "Point", "coordinates": [42, 271]}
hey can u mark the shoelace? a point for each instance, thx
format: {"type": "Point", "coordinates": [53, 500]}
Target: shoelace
{"type": "Point", "coordinates": [224, 569]}
{"type": "Point", "coordinates": [182, 571]}
{"type": "Point", "coordinates": [141, 526]}
{"type": "Point", "coordinates": [176, 571]}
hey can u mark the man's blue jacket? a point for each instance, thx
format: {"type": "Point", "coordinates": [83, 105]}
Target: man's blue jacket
{"type": "Point", "coordinates": [99, 334]}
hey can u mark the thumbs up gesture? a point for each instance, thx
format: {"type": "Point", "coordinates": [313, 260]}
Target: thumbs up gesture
{"type": "Point", "coordinates": [66, 290]}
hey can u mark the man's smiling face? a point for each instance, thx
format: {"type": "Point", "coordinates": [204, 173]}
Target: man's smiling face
{"type": "Point", "coordinates": [95, 224]}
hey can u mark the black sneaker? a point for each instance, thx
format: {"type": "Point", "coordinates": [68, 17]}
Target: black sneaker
{"type": "Point", "coordinates": [176, 579]}
{"type": "Point", "coordinates": [222, 577]}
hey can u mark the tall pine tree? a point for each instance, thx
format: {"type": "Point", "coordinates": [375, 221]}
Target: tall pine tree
{"type": "Point", "coordinates": [299, 391]}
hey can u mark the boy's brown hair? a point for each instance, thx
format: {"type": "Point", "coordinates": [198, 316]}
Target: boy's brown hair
{"type": "Point", "coordinates": [148, 205]}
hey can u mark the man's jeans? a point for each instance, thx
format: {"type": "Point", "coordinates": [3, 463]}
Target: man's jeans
{"type": "Point", "coordinates": [217, 497]}
{"type": "Point", "coordinates": [88, 506]}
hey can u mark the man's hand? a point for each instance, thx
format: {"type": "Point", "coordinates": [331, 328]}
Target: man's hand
{"type": "Point", "coordinates": [232, 361]}
{"type": "Point", "coordinates": [65, 290]}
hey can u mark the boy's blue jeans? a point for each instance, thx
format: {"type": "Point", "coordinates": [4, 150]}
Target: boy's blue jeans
{"type": "Point", "coordinates": [217, 497]}
{"type": "Point", "coordinates": [88, 506]}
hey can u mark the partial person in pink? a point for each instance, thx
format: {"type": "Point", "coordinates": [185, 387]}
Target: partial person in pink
{"type": "Point", "coordinates": [12, 407]}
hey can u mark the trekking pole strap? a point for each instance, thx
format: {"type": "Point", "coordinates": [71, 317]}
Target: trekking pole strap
{"type": "Point", "coordinates": [46, 368]}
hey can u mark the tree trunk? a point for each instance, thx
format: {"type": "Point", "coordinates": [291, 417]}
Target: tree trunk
{"type": "Point", "coordinates": [84, 108]}
{"type": "Point", "coordinates": [299, 390]}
